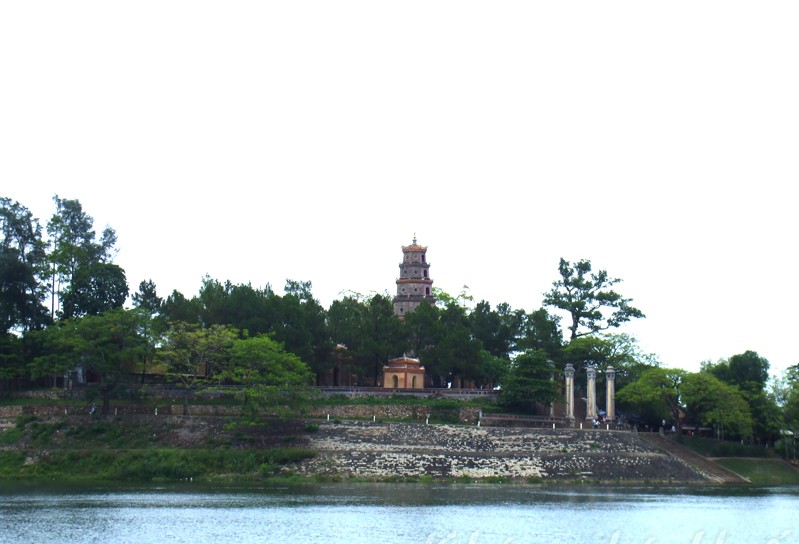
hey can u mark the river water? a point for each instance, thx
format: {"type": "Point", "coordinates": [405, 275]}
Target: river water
{"type": "Point", "coordinates": [401, 513]}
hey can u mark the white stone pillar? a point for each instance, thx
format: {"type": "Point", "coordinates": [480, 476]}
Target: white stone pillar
{"type": "Point", "coordinates": [590, 409]}
{"type": "Point", "coordinates": [569, 374]}
{"type": "Point", "coordinates": [610, 384]}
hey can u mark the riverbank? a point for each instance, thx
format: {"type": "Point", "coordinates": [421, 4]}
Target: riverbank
{"type": "Point", "coordinates": [148, 448]}
{"type": "Point", "coordinates": [143, 448]}
{"type": "Point", "coordinates": [378, 451]}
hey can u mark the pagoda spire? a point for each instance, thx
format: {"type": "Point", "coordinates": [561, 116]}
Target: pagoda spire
{"type": "Point", "coordinates": [414, 284]}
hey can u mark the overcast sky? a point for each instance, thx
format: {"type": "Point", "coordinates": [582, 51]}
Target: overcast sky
{"type": "Point", "coordinates": [259, 141]}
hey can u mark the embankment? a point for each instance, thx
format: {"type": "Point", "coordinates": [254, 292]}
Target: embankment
{"type": "Point", "coordinates": [403, 450]}
{"type": "Point", "coordinates": [32, 440]}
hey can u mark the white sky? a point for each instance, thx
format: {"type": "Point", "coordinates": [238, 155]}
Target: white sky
{"type": "Point", "coordinates": [259, 141]}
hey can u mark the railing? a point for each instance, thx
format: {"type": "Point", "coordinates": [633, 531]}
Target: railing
{"type": "Point", "coordinates": [506, 420]}
{"type": "Point", "coordinates": [443, 391]}
{"type": "Point", "coordinates": [201, 387]}
{"type": "Point", "coordinates": [543, 419]}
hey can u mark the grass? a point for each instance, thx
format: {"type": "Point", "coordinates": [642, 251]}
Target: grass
{"type": "Point", "coordinates": [41, 434]}
{"type": "Point", "coordinates": [763, 472]}
{"type": "Point", "coordinates": [10, 437]}
{"type": "Point", "coordinates": [31, 401]}
{"type": "Point", "coordinates": [153, 465]}
{"type": "Point", "coordinates": [710, 447]}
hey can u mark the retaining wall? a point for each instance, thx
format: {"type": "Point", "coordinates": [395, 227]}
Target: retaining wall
{"type": "Point", "coordinates": [385, 450]}
{"type": "Point", "coordinates": [466, 415]}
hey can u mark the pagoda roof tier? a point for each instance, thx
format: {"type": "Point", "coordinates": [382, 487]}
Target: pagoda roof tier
{"type": "Point", "coordinates": [414, 280]}
{"type": "Point", "coordinates": [404, 362]}
{"type": "Point", "coordinates": [414, 246]}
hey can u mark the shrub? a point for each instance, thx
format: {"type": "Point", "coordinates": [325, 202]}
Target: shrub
{"type": "Point", "coordinates": [10, 437]}
{"type": "Point", "coordinates": [22, 421]}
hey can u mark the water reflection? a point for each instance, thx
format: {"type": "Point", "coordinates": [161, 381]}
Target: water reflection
{"type": "Point", "coordinates": [351, 514]}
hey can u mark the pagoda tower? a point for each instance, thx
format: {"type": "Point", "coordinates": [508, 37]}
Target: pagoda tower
{"type": "Point", "coordinates": [414, 284]}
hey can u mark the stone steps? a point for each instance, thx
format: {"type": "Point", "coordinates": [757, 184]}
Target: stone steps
{"type": "Point", "coordinates": [381, 450]}
{"type": "Point", "coordinates": [710, 468]}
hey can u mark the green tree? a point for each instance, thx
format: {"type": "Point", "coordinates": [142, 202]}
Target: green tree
{"type": "Point", "coordinates": [787, 394]}
{"type": "Point", "coordinates": [240, 306]}
{"type": "Point", "coordinates": [105, 346]}
{"type": "Point", "coordinates": [529, 380]}
{"type": "Point", "coordinates": [441, 336]}
{"type": "Point", "coordinates": [710, 401]}
{"type": "Point", "coordinates": [456, 355]}
{"type": "Point", "coordinates": [271, 376]}
{"type": "Point", "coordinates": [301, 326]}
{"type": "Point", "coordinates": [498, 330]}
{"type": "Point", "coordinates": [589, 300]}
{"type": "Point", "coordinates": [620, 351]}
{"type": "Point", "coordinates": [177, 308]}
{"type": "Point", "coordinates": [95, 288]}
{"type": "Point", "coordinates": [52, 356]}
{"type": "Point", "coordinates": [749, 372]}
{"type": "Point", "coordinates": [541, 330]}
{"type": "Point", "coordinates": [108, 345]}
{"type": "Point", "coordinates": [492, 369]}
{"type": "Point", "coordinates": [148, 305]}
{"type": "Point", "coordinates": [23, 269]}
{"type": "Point", "coordinates": [423, 328]}
{"type": "Point", "coordinates": [370, 331]}
{"type": "Point", "coordinates": [12, 361]}
{"type": "Point", "coordinates": [252, 309]}
{"type": "Point", "coordinates": [75, 248]}
{"type": "Point", "coordinates": [147, 298]}
{"type": "Point", "coordinates": [654, 396]}
{"type": "Point", "coordinates": [193, 354]}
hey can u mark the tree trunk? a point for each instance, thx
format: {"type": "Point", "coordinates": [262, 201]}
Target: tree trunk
{"type": "Point", "coordinates": [106, 401]}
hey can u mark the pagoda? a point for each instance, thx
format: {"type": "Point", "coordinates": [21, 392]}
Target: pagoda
{"type": "Point", "coordinates": [414, 284]}
{"type": "Point", "coordinates": [403, 373]}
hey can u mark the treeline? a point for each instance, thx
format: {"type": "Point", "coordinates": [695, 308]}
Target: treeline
{"type": "Point", "coordinates": [62, 306]}
{"type": "Point", "coordinates": [63, 310]}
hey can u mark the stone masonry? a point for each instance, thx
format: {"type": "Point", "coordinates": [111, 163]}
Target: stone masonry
{"type": "Point", "coordinates": [385, 450]}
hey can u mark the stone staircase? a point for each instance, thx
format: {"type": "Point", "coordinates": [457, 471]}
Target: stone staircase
{"type": "Point", "coordinates": [707, 467]}
{"type": "Point", "coordinates": [380, 450]}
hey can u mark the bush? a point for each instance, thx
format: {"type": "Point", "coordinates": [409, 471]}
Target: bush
{"type": "Point", "coordinates": [41, 433]}
{"type": "Point", "coordinates": [151, 465]}
{"type": "Point", "coordinates": [22, 421]}
{"type": "Point", "coordinates": [10, 437]}
{"type": "Point", "coordinates": [710, 447]}
{"type": "Point", "coordinates": [10, 462]}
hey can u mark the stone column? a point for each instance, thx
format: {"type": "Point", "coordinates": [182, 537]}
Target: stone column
{"type": "Point", "coordinates": [569, 374]}
{"type": "Point", "coordinates": [590, 409]}
{"type": "Point", "coordinates": [610, 383]}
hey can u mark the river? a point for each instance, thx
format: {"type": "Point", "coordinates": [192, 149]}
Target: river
{"type": "Point", "coordinates": [401, 513]}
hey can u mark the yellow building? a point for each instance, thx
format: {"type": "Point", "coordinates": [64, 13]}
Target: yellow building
{"type": "Point", "coordinates": [403, 373]}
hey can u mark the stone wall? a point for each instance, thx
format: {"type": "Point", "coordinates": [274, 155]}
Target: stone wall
{"type": "Point", "coordinates": [11, 412]}
{"type": "Point", "coordinates": [467, 415]}
{"type": "Point", "coordinates": [386, 450]}
{"type": "Point", "coordinates": [49, 394]}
